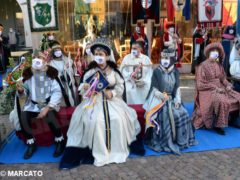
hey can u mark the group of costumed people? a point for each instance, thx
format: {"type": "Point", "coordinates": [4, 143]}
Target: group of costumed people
{"type": "Point", "coordinates": [103, 128]}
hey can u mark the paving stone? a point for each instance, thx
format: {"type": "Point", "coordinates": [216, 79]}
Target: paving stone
{"type": "Point", "coordinates": [211, 165]}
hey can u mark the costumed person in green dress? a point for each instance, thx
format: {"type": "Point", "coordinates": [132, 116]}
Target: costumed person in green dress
{"type": "Point", "coordinates": [102, 127]}
{"type": "Point", "coordinates": [171, 128]}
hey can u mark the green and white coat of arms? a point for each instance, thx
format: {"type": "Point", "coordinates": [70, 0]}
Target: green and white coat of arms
{"type": "Point", "coordinates": [43, 13]}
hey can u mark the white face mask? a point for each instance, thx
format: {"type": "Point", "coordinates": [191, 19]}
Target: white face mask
{"type": "Point", "coordinates": [10, 30]}
{"type": "Point", "coordinates": [138, 29]}
{"type": "Point", "coordinates": [165, 62]}
{"type": "Point", "coordinates": [88, 51]}
{"type": "Point", "coordinates": [171, 29]}
{"type": "Point", "coordinates": [58, 53]}
{"type": "Point", "coordinates": [214, 55]}
{"type": "Point", "coordinates": [51, 37]}
{"type": "Point", "coordinates": [37, 64]}
{"type": "Point", "coordinates": [99, 59]}
{"type": "Point", "coordinates": [134, 52]}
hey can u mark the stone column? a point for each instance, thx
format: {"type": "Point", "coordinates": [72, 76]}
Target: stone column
{"type": "Point", "coordinates": [27, 29]}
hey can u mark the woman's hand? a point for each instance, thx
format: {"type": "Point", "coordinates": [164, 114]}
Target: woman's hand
{"type": "Point", "coordinates": [86, 86]}
{"type": "Point", "coordinates": [108, 94]}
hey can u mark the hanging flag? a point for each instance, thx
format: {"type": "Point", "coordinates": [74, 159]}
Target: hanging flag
{"type": "Point", "coordinates": [178, 4]}
{"type": "Point", "coordinates": [187, 10]}
{"type": "Point", "coordinates": [81, 7]}
{"type": "Point", "coordinates": [170, 10]}
{"type": "Point", "coordinates": [43, 15]}
{"type": "Point", "coordinates": [145, 9]}
{"type": "Point", "coordinates": [210, 13]}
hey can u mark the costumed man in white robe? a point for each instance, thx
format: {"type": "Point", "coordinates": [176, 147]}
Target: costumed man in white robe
{"type": "Point", "coordinates": [44, 96]}
{"type": "Point", "coordinates": [137, 72]}
{"type": "Point", "coordinates": [102, 127]}
{"type": "Point", "coordinates": [64, 65]}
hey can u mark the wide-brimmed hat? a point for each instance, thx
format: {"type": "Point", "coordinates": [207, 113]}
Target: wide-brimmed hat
{"type": "Point", "coordinates": [102, 44]}
{"type": "Point", "coordinates": [215, 46]}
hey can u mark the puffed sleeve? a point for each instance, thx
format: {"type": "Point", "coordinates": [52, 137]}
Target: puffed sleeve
{"type": "Point", "coordinates": [56, 96]}
{"type": "Point", "coordinates": [119, 87]}
{"type": "Point", "coordinates": [125, 69]}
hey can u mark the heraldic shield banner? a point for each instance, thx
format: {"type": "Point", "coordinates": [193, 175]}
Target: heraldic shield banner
{"type": "Point", "coordinates": [145, 9]}
{"type": "Point", "coordinates": [43, 15]}
{"type": "Point", "coordinates": [210, 12]}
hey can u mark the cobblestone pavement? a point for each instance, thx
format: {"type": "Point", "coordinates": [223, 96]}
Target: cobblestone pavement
{"type": "Point", "coordinates": [215, 165]}
{"type": "Point", "coordinates": [212, 165]}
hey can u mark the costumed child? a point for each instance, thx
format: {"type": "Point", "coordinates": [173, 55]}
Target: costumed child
{"type": "Point", "coordinates": [200, 41]}
{"type": "Point", "coordinates": [44, 96]}
{"type": "Point", "coordinates": [140, 36]}
{"type": "Point", "coordinates": [169, 127]}
{"type": "Point", "coordinates": [215, 97]}
{"type": "Point", "coordinates": [81, 62]}
{"type": "Point", "coordinates": [64, 65]}
{"type": "Point", "coordinates": [172, 40]}
{"type": "Point", "coordinates": [102, 127]}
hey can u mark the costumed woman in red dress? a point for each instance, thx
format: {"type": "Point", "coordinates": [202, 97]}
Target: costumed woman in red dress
{"type": "Point", "coordinates": [215, 96]}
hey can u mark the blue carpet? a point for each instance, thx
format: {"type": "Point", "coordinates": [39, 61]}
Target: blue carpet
{"type": "Point", "coordinates": [12, 150]}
